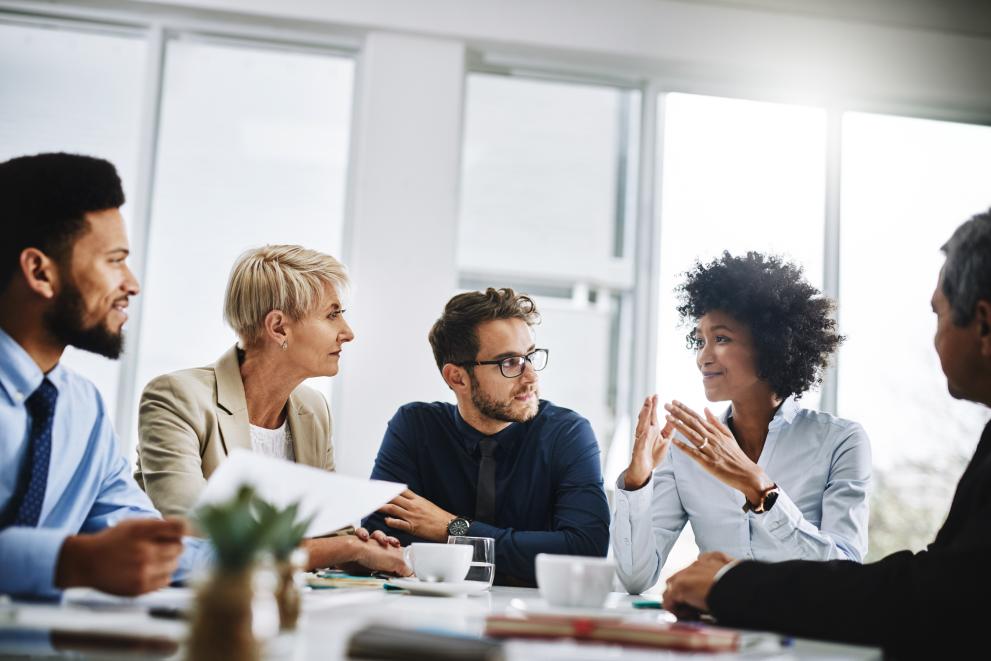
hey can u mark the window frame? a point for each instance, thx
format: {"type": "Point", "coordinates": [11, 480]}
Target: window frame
{"type": "Point", "coordinates": [159, 31]}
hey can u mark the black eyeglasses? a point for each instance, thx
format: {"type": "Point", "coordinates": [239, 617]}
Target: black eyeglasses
{"type": "Point", "coordinates": [513, 366]}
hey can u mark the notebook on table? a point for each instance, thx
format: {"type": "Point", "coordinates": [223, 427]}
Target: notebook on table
{"type": "Point", "coordinates": [678, 635]}
{"type": "Point", "coordinates": [396, 644]}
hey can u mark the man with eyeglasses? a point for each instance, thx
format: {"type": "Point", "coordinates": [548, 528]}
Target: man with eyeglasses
{"type": "Point", "coordinates": [501, 463]}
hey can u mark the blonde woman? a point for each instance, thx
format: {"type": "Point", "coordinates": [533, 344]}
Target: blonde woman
{"type": "Point", "coordinates": [283, 301]}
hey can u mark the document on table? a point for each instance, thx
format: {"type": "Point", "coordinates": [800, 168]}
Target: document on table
{"type": "Point", "coordinates": [179, 599]}
{"type": "Point", "coordinates": [335, 500]}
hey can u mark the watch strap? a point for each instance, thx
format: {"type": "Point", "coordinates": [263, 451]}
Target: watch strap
{"type": "Point", "coordinates": [765, 503]}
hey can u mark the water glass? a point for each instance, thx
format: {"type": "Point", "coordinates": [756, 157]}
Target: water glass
{"type": "Point", "coordinates": [482, 559]}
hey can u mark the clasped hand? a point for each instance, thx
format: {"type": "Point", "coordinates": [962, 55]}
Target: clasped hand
{"type": "Point", "coordinates": [417, 516]}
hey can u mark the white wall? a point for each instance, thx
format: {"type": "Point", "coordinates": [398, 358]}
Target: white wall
{"type": "Point", "coordinates": [690, 41]}
{"type": "Point", "coordinates": [403, 226]}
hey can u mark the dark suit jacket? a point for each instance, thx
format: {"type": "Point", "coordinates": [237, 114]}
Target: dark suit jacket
{"type": "Point", "coordinates": [935, 603]}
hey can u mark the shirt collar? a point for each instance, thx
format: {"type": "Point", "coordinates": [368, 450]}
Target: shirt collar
{"type": "Point", "coordinates": [787, 411]}
{"type": "Point", "coordinates": [506, 438]}
{"type": "Point", "coordinates": [19, 374]}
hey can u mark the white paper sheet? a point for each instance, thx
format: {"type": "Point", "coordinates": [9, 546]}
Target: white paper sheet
{"type": "Point", "coordinates": [177, 598]}
{"type": "Point", "coordinates": [337, 500]}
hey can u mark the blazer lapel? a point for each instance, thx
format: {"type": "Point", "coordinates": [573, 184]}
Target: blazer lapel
{"type": "Point", "coordinates": [307, 444]}
{"type": "Point", "coordinates": [232, 413]}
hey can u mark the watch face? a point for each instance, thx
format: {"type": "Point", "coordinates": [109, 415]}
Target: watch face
{"type": "Point", "coordinates": [457, 528]}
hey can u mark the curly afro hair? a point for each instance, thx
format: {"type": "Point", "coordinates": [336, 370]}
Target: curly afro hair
{"type": "Point", "coordinates": [790, 320]}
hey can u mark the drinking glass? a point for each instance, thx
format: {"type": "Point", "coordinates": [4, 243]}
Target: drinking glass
{"type": "Point", "coordinates": [482, 560]}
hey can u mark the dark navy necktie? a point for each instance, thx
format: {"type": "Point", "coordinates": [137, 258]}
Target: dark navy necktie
{"type": "Point", "coordinates": [486, 496]}
{"type": "Point", "coordinates": [27, 501]}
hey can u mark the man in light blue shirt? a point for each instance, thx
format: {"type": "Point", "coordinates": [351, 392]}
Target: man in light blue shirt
{"type": "Point", "coordinates": [70, 513]}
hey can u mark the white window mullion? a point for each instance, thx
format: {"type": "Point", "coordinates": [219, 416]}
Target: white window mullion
{"type": "Point", "coordinates": [151, 105]}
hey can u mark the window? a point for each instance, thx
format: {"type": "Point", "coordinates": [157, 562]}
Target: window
{"type": "Point", "coordinates": [546, 207]}
{"type": "Point", "coordinates": [73, 91]}
{"type": "Point", "coordinates": [737, 176]}
{"type": "Point", "coordinates": [253, 149]}
{"type": "Point", "coordinates": [907, 184]}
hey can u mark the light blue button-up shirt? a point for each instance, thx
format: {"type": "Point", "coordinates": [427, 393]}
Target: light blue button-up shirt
{"type": "Point", "coordinates": [89, 482]}
{"type": "Point", "coordinates": [822, 465]}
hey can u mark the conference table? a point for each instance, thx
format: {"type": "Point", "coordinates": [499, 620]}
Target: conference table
{"type": "Point", "coordinates": [94, 627]}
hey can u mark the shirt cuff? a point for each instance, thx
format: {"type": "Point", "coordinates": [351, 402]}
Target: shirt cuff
{"type": "Point", "coordinates": [29, 557]}
{"type": "Point", "coordinates": [782, 519]}
{"type": "Point", "coordinates": [722, 571]}
{"type": "Point", "coordinates": [479, 529]}
{"type": "Point", "coordinates": [637, 501]}
{"type": "Point", "coordinates": [197, 557]}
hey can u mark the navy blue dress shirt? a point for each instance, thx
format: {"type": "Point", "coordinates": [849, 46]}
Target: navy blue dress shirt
{"type": "Point", "coordinates": [549, 495]}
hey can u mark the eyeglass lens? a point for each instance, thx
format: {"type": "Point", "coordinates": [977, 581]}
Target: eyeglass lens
{"type": "Point", "coordinates": [512, 367]}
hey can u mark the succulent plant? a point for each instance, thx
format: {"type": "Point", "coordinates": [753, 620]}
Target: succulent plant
{"type": "Point", "coordinates": [246, 525]}
{"type": "Point", "coordinates": [283, 528]}
{"type": "Point", "coordinates": [234, 529]}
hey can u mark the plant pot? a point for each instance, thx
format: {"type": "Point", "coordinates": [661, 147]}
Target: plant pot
{"type": "Point", "coordinates": [288, 596]}
{"type": "Point", "coordinates": [222, 619]}
{"type": "Point", "coordinates": [288, 592]}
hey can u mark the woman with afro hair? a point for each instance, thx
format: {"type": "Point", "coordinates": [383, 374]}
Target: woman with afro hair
{"type": "Point", "coordinates": [767, 480]}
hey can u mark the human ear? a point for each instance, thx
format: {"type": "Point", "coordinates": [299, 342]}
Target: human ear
{"type": "Point", "coordinates": [982, 314]}
{"type": "Point", "coordinates": [455, 377]}
{"type": "Point", "coordinates": [40, 272]}
{"type": "Point", "coordinates": [276, 327]}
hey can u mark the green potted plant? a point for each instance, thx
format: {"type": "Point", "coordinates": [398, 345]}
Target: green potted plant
{"type": "Point", "coordinates": [222, 620]}
{"type": "Point", "coordinates": [284, 532]}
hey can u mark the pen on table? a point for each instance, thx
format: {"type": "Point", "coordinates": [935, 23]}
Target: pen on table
{"type": "Point", "coordinates": [167, 612]}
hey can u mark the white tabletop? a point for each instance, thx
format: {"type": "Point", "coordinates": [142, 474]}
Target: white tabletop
{"type": "Point", "coordinates": [331, 616]}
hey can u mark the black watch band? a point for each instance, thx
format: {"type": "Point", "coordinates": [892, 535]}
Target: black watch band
{"type": "Point", "coordinates": [767, 500]}
{"type": "Point", "coordinates": [458, 527]}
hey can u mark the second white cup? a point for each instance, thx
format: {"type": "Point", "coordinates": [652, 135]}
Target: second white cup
{"type": "Point", "coordinates": [574, 580]}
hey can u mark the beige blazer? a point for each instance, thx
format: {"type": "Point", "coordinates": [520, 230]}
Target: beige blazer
{"type": "Point", "coordinates": [189, 421]}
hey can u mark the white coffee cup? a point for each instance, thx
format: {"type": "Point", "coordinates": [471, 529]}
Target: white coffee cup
{"type": "Point", "coordinates": [448, 563]}
{"type": "Point", "coordinates": [574, 580]}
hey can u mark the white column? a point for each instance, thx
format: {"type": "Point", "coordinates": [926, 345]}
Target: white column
{"type": "Point", "coordinates": [401, 239]}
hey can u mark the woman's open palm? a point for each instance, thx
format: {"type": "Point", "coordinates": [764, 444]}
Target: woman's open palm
{"type": "Point", "coordinates": [650, 444]}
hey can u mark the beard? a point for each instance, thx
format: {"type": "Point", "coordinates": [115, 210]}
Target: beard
{"type": "Point", "coordinates": [65, 321]}
{"type": "Point", "coordinates": [502, 411]}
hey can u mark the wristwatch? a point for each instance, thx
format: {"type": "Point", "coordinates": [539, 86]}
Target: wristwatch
{"type": "Point", "coordinates": [767, 500]}
{"type": "Point", "coordinates": [458, 527]}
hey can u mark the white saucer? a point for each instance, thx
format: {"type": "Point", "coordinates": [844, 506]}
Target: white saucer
{"type": "Point", "coordinates": [440, 589]}
{"type": "Point", "coordinates": [541, 607]}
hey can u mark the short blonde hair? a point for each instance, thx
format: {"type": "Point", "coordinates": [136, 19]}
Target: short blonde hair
{"type": "Point", "coordinates": [277, 277]}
